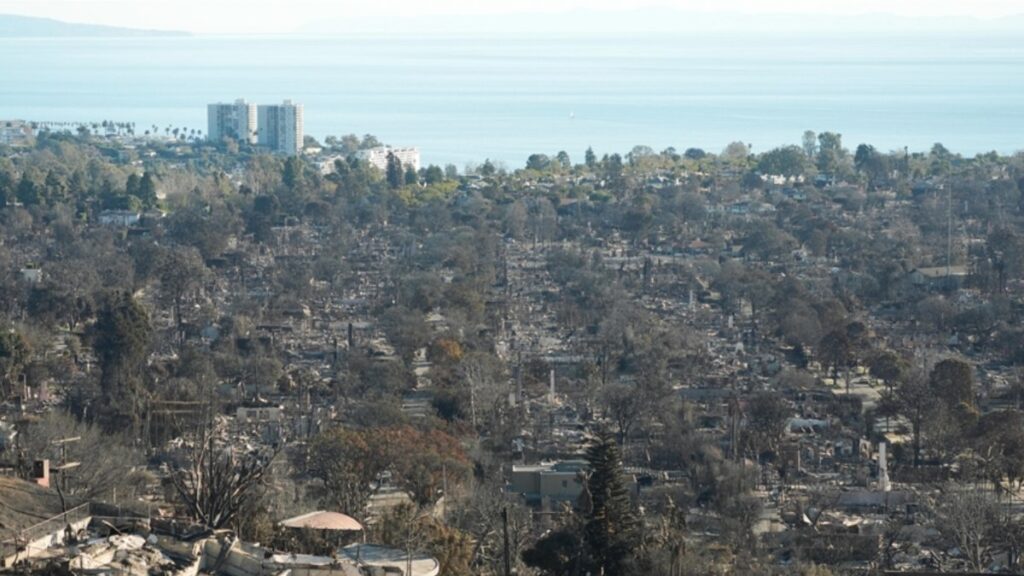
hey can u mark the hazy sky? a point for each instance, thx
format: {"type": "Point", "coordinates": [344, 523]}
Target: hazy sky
{"type": "Point", "coordinates": [281, 16]}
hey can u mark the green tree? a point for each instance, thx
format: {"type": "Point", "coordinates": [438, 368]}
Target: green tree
{"type": "Point", "coordinates": [539, 162]}
{"type": "Point", "coordinates": [611, 532]}
{"type": "Point", "coordinates": [394, 173]}
{"type": "Point", "coordinates": [55, 187]}
{"type": "Point", "coordinates": [28, 192]}
{"type": "Point", "coordinates": [131, 186]}
{"type": "Point", "coordinates": [8, 183]}
{"type": "Point", "coordinates": [433, 174]}
{"type": "Point", "coordinates": [410, 178]}
{"type": "Point", "coordinates": [613, 172]}
{"type": "Point", "coordinates": [557, 553]}
{"type": "Point", "coordinates": [788, 161]}
{"type": "Point", "coordinates": [952, 380]}
{"type": "Point", "coordinates": [810, 143]}
{"type": "Point", "coordinates": [292, 174]}
{"type": "Point", "coordinates": [123, 337]}
{"type": "Point", "coordinates": [736, 151]}
{"type": "Point", "coordinates": [147, 190]}
{"type": "Point", "coordinates": [830, 152]}
{"type": "Point", "coordinates": [871, 164]}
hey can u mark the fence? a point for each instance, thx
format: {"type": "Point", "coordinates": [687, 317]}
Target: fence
{"type": "Point", "coordinates": [47, 527]}
{"type": "Point", "coordinates": [49, 532]}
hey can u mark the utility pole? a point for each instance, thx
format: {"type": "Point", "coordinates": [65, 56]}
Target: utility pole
{"type": "Point", "coordinates": [64, 467]}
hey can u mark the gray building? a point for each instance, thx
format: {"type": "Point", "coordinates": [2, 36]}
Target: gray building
{"type": "Point", "coordinates": [547, 483]}
{"type": "Point", "coordinates": [280, 127]}
{"type": "Point", "coordinates": [236, 120]}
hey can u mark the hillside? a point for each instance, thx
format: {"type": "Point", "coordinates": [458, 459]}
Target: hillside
{"type": "Point", "coordinates": [14, 26]}
{"type": "Point", "coordinates": [24, 504]}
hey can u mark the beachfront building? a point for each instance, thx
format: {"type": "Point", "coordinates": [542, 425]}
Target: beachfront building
{"type": "Point", "coordinates": [378, 157]}
{"type": "Point", "coordinates": [236, 120]}
{"type": "Point", "coordinates": [15, 133]}
{"type": "Point", "coordinates": [280, 127]}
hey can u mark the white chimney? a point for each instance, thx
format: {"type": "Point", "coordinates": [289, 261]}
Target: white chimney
{"type": "Point", "coordinates": [883, 469]}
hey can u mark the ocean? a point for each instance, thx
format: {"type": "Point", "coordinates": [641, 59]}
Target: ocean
{"type": "Point", "coordinates": [463, 100]}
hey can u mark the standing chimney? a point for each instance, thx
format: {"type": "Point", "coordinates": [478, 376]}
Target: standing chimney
{"type": "Point", "coordinates": [883, 469]}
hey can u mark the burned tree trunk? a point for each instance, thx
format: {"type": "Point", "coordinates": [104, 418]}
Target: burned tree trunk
{"type": "Point", "coordinates": [216, 481]}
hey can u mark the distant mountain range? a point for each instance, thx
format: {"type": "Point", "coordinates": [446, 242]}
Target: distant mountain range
{"type": "Point", "coordinates": [659, 20]}
{"type": "Point", "coordinates": [13, 26]}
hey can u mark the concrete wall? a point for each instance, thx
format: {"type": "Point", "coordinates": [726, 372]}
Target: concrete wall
{"type": "Point", "coordinates": [248, 560]}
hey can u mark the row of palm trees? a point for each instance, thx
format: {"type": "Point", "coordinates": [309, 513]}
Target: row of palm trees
{"type": "Point", "coordinates": [111, 128]}
{"type": "Point", "coordinates": [183, 133]}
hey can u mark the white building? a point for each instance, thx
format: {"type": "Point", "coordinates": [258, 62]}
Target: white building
{"type": "Point", "coordinates": [15, 132]}
{"type": "Point", "coordinates": [32, 275]}
{"type": "Point", "coordinates": [122, 218]}
{"type": "Point", "coordinates": [326, 163]}
{"type": "Point", "coordinates": [378, 157]}
{"type": "Point", "coordinates": [237, 121]}
{"type": "Point", "coordinates": [280, 127]}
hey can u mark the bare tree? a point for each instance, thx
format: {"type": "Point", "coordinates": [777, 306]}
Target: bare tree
{"type": "Point", "coordinates": [105, 463]}
{"type": "Point", "coordinates": [482, 373]}
{"type": "Point", "coordinates": [480, 516]}
{"type": "Point", "coordinates": [216, 482]}
{"type": "Point", "coordinates": [970, 518]}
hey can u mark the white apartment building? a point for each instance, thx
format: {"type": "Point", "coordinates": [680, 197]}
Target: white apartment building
{"type": "Point", "coordinates": [236, 120]}
{"type": "Point", "coordinates": [378, 157]}
{"type": "Point", "coordinates": [280, 127]}
{"type": "Point", "coordinates": [15, 132]}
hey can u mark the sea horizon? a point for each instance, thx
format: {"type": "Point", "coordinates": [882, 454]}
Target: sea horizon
{"type": "Point", "coordinates": [463, 99]}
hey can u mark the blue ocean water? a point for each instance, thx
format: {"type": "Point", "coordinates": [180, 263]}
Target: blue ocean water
{"type": "Point", "coordinates": [466, 99]}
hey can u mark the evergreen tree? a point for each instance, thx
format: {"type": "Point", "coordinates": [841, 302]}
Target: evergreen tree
{"type": "Point", "coordinates": [7, 187]}
{"type": "Point", "coordinates": [488, 168]}
{"type": "Point", "coordinates": [433, 174]}
{"type": "Point", "coordinates": [131, 187]}
{"type": "Point", "coordinates": [611, 531]}
{"type": "Point", "coordinates": [28, 192]}
{"type": "Point", "coordinates": [147, 190]}
{"type": "Point", "coordinates": [292, 173]}
{"type": "Point", "coordinates": [589, 158]}
{"type": "Point", "coordinates": [613, 173]}
{"type": "Point", "coordinates": [394, 171]}
{"type": "Point", "coordinates": [56, 188]}
{"type": "Point", "coordinates": [122, 342]}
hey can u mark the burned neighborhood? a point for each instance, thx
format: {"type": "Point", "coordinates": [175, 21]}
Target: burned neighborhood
{"type": "Point", "coordinates": [214, 360]}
